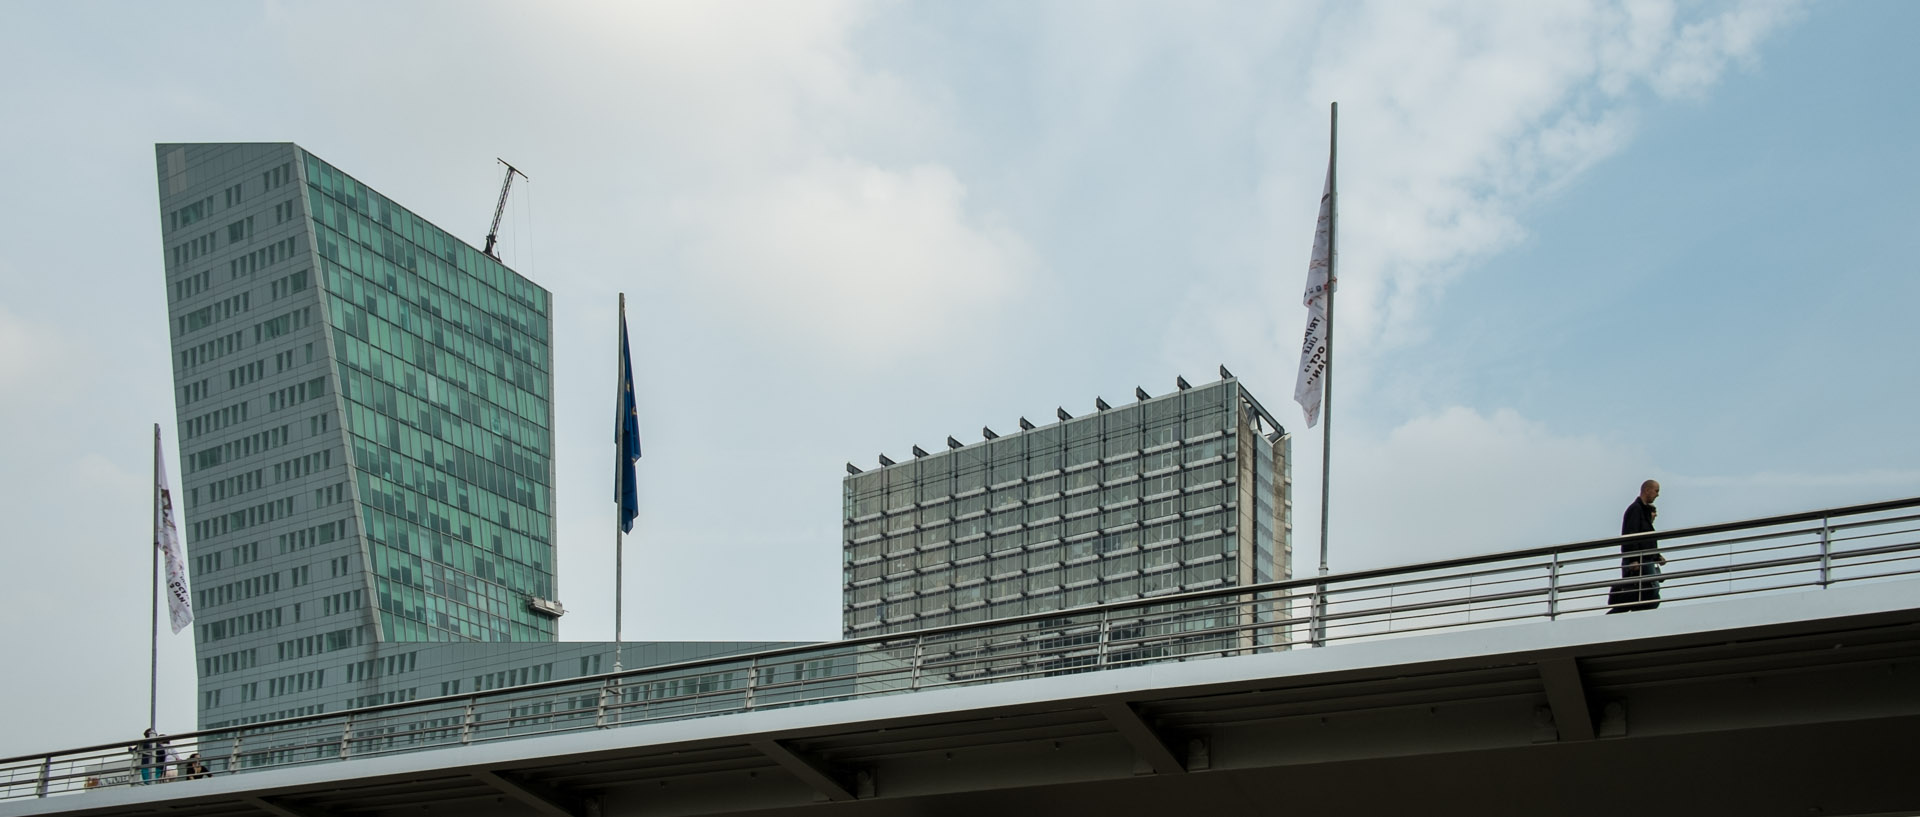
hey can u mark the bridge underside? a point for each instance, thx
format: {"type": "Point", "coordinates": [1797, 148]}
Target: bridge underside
{"type": "Point", "coordinates": [1810, 717]}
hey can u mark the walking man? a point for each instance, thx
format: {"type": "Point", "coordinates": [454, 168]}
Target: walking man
{"type": "Point", "coordinates": [1639, 588]}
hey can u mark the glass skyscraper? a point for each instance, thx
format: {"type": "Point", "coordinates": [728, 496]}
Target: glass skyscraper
{"type": "Point", "coordinates": [445, 393]}
{"type": "Point", "coordinates": [1185, 491]}
{"type": "Point", "coordinates": [365, 411]}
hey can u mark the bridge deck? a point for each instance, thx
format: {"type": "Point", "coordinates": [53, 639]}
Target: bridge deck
{"type": "Point", "coordinates": [1749, 699]}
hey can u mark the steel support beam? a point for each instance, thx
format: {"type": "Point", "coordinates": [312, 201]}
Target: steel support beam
{"type": "Point", "coordinates": [1572, 712]}
{"type": "Point", "coordinates": [1146, 742]}
{"type": "Point", "coordinates": [278, 809]}
{"type": "Point", "coordinates": [822, 777]}
{"type": "Point", "coordinates": [542, 799]}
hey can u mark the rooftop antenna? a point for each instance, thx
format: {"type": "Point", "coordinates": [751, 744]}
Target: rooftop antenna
{"type": "Point", "coordinates": [500, 208]}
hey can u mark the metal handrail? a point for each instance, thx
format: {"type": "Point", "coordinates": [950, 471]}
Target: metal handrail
{"type": "Point", "coordinates": [1539, 583]}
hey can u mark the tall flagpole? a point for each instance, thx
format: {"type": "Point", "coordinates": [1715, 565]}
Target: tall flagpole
{"type": "Point", "coordinates": [1326, 427]}
{"type": "Point", "coordinates": [619, 534]}
{"type": "Point", "coordinates": [153, 667]}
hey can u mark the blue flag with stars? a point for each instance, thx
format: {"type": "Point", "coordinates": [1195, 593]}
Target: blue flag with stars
{"type": "Point", "coordinates": [626, 434]}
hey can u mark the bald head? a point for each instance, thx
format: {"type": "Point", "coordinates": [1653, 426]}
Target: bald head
{"type": "Point", "coordinates": [1649, 491]}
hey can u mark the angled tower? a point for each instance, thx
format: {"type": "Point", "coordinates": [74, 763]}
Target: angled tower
{"type": "Point", "coordinates": [366, 445]}
{"type": "Point", "coordinates": [365, 409]}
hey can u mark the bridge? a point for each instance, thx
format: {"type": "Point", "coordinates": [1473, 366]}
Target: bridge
{"type": "Point", "coordinates": [1780, 675]}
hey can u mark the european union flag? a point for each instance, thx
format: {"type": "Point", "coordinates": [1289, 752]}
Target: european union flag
{"type": "Point", "coordinates": [626, 434]}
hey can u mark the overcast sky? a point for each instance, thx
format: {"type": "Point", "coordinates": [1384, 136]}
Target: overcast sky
{"type": "Point", "coordinates": [1582, 244]}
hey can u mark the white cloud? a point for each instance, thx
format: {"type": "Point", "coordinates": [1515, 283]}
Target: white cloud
{"type": "Point", "coordinates": [1456, 118]}
{"type": "Point", "coordinates": [1873, 478]}
{"type": "Point", "coordinates": [1459, 482]}
{"type": "Point", "coordinates": [1456, 122]}
{"type": "Point", "coordinates": [1774, 492]}
{"type": "Point", "coordinates": [747, 152]}
{"type": "Point", "coordinates": [20, 352]}
{"type": "Point", "coordinates": [89, 517]}
{"type": "Point", "coordinates": [43, 367]}
{"type": "Point", "coordinates": [729, 89]}
{"type": "Point", "coordinates": [875, 263]}
{"type": "Point", "coordinates": [1701, 50]}
{"type": "Point", "coordinates": [1504, 104]}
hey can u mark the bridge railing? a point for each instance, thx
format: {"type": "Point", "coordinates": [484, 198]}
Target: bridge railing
{"type": "Point", "coordinates": [1811, 550]}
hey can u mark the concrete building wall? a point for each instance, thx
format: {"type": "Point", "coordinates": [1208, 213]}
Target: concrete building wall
{"type": "Point", "coordinates": [275, 559]}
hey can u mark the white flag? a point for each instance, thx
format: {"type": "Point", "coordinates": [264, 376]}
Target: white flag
{"type": "Point", "coordinates": [167, 539]}
{"type": "Point", "coordinates": [1307, 389]}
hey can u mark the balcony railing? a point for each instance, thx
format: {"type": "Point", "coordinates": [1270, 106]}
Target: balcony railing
{"type": "Point", "coordinates": [1811, 550]}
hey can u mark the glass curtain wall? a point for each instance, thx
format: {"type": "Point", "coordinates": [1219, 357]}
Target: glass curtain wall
{"type": "Point", "coordinates": [1134, 501]}
{"type": "Point", "coordinates": [445, 371]}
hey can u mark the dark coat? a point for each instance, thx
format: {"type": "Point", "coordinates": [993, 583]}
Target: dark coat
{"type": "Point", "coordinates": [1639, 569]}
{"type": "Point", "coordinates": [1637, 519]}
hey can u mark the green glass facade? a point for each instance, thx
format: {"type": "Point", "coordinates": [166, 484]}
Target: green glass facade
{"type": "Point", "coordinates": [445, 374]}
{"type": "Point", "coordinates": [364, 414]}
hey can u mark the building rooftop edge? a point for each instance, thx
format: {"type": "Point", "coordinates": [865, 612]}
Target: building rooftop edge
{"type": "Point", "coordinates": [1258, 409]}
{"type": "Point", "coordinates": [159, 146]}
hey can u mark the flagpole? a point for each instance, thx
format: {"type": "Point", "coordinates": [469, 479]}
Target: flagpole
{"type": "Point", "coordinates": [1326, 427]}
{"type": "Point", "coordinates": [153, 667]}
{"type": "Point", "coordinates": [619, 535]}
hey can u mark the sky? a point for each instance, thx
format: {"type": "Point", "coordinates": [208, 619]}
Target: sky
{"type": "Point", "coordinates": [1581, 244]}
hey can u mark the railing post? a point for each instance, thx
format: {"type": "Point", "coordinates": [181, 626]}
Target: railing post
{"type": "Point", "coordinates": [346, 737]}
{"type": "Point", "coordinates": [233, 757]}
{"type": "Point", "coordinates": [1246, 624]}
{"type": "Point", "coordinates": [1106, 638]}
{"type": "Point", "coordinates": [600, 714]}
{"type": "Point", "coordinates": [466, 724]}
{"type": "Point", "coordinates": [1553, 587]}
{"type": "Point", "coordinates": [753, 680]}
{"type": "Point", "coordinates": [46, 776]}
{"type": "Point", "coordinates": [1316, 617]}
{"type": "Point", "coordinates": [919, 655]}
{"type": "Point", "coordinates": [1826, 552]}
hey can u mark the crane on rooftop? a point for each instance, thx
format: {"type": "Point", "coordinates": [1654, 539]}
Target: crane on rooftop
{"type": "Point", "coordinates": [500, 209]}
